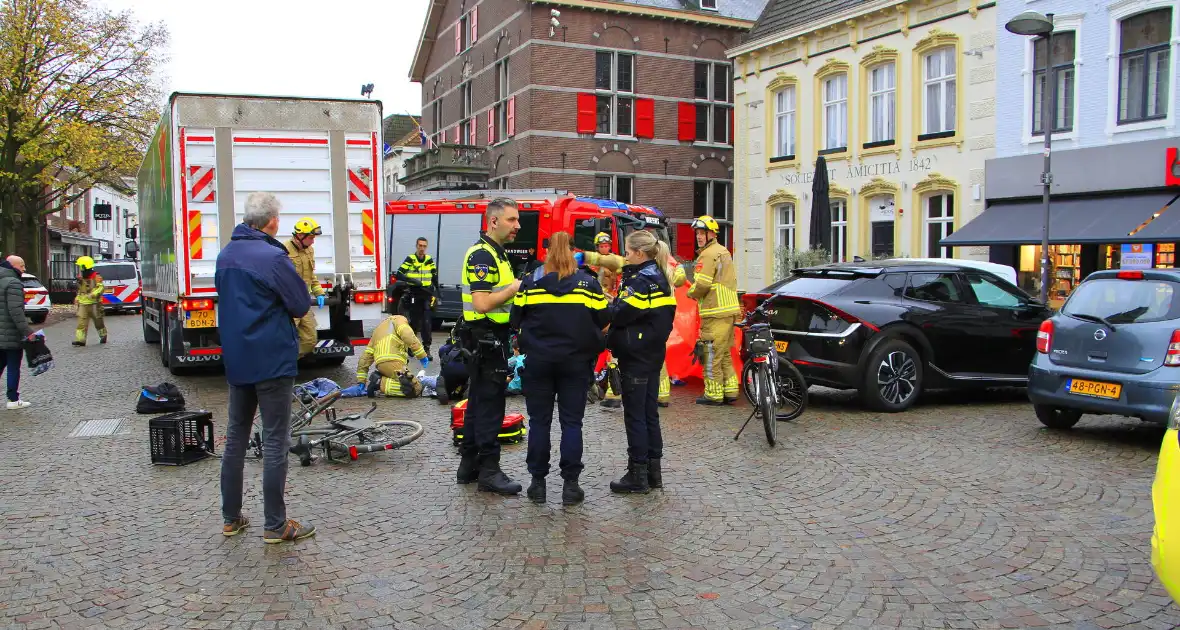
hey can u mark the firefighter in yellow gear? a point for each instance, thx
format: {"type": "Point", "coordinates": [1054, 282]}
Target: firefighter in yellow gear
{"type": "Point", "coordinates": [607, 266]}
{"type": "Point", "coordinates": [605, 261]}
{"type": "Point", "coordinates": [89, 301]}
{"type": "Point", "coordinates": [388, 352]}
{"type": "Point", "coordinates": [714, 288]}
{"type": "Point", "coordinates": [299, 248]}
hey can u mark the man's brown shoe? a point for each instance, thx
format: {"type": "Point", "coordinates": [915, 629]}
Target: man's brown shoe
{"type": "Point", "coordinates": [236, 527]}
{"type": "Point", "coordinates": [292, 531]}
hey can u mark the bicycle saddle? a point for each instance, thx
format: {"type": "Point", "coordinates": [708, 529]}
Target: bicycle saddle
{"type": "Point", "coordinates": [353, 422]}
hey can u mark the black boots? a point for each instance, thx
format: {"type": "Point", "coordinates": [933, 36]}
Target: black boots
{"type": "Point", "coordinates": [440, 390]}
{"type": "Point", "coordinates": [492, 479]}
{"type": "Point", "coordinates": [537, 490]}
{"type": "Point", "coordinates": [468, 471]}
{"type": "Point", "coordinates": [571, 492]}
{"type": "Point", "coordinates": [373, 385]}
{"type": "Point", "coordinates": [703, 400]}
{"type": "Point", "coordinates": [635, 481]}
{"type": "Point", "coordinates": [654, 478]}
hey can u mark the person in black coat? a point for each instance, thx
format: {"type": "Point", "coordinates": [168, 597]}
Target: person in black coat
{"type": "Point", "coordinates": [14, 327]}
{"type": "Point", "coordinates": [641, 321]}
{"type": "Point", "coordinates": [561, 313]}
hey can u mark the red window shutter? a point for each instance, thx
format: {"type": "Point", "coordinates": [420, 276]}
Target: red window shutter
{"type": "Point", "coordinates": [587, 121]}
{"type": "Point", "coordinates": [687, 131]}
{"type": "Point", "coordinates": [686, 242]}
{"type": "Point", "coordinates": [645, 118]}
{"type": "Point", "coordinates": [458, 37]}
{"type": "Point", "coordinates": [471, 132]}
{"type": "Point", "coordinates": [474, 25]}
{"type": "Point", "coordinates": [492, 126]}
{"type": "Point", "coordinates": [511, 115]}
{"type": "Point", "coordinates": [456, 135]}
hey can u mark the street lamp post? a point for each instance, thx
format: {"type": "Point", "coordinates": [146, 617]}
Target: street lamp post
{"type": "Point", "coordinates": [1038, 25]}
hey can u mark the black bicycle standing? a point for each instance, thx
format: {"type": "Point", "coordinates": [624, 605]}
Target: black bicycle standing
{"type": "Point", "coordinates": [775, 388]}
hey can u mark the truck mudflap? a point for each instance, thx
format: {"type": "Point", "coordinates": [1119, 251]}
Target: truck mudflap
{"type": "Point", "coordinates": [194, 357]}
{"type": "Point", "coordinates": [328, 348]}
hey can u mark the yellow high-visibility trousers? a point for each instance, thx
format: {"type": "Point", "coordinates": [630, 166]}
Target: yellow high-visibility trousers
{"type": "Point", "coordinates": [306, 327]}
{"type": "Point", "coordinates": [86, 314]}
{"type": "Point", "coordinates": [720, 379]}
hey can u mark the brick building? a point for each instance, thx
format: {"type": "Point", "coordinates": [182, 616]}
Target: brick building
{"type": "Point", "coordinates": [626, 100]}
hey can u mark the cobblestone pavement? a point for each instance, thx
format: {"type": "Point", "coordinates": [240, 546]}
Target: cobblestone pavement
{"type": "Point", "coordinates": [962, 514]}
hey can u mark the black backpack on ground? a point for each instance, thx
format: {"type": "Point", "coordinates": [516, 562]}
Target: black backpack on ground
{"type": "Point", "coordinates": [162, 398]}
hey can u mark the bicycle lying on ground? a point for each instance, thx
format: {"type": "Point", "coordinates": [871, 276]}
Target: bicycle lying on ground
{"type": "Point", "coordinates": [345, 438]}
{"type": "Point", "coordinates": [775, 388]}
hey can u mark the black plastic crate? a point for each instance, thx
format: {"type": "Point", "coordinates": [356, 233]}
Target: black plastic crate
{"type": "Point", "coordinates": [181, 438]}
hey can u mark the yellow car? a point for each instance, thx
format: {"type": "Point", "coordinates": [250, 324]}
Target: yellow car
{"type": "Point", "coordinates": [1165, 499]}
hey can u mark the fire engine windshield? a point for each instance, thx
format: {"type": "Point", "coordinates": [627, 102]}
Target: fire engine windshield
{"type": "Point", "coordinates": [627, 225]}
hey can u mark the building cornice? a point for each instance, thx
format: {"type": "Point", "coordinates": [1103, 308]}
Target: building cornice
{"type": "Point", "coordinates": [611, 6]}
{"type": "Point", "coordinates": [832, 20]}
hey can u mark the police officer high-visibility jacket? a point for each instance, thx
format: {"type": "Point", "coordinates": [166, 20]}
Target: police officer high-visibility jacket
{"type": "Point", "coordinates": [714, 284]}
{"type": "Point", "coordinates": [304, 261]}
{"type": "Point", "coordinates": [560, 318]}
{"type": "Point", "coordinates": [425, 272]}
{"type": "Point", "coordinates": [641, 319]}
{"type": "Point", "coordinates": [487, 268]}
{"type": "Point", "coordinates": [387, 349]}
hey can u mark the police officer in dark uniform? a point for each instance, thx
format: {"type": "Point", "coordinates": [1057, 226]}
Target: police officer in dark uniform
{"type": "Point", "coordinates": [561, 313]}
{"type": "Point", "coordinates": [641, 321]}
{"type": "Point", "coordinates": [488, 288]}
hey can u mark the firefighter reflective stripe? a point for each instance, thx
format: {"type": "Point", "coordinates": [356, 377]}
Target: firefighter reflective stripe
{"type": "Point", "coordinates": [580, 297]}
{"type": "Point", "coordinates": [727, 302]}
{"type": "Point", "coordinates": [422, 271]}
{"type": "Point", "coordinates": [505, 277]}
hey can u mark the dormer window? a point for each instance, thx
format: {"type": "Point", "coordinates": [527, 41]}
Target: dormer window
{"type": "Point", "coordinates": [709, 5]}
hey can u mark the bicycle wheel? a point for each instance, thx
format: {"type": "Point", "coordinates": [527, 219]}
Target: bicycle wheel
{"type": "Point", "coordinates": [748, 383]}
{"type": "Point", "coordinates": [766, 402]}
{"type": "Point", "coordinates": [792, 392]}
{"type": "Point", "coordinates": [386, 435]}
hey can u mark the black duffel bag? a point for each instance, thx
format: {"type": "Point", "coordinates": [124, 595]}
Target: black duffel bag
{"type": "Point", "coordinates": [162, 398]}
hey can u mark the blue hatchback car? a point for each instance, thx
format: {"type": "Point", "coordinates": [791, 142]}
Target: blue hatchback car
{"type": "Point", "coordinates": [1113, 349]}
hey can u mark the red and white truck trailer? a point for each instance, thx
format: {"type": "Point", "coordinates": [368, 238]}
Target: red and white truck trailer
{"type": "Point", "coordinates": [320, 157]}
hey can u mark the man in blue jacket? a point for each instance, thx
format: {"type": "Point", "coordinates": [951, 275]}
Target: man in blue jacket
{"type": "Point", "coordinates": [259, 296]}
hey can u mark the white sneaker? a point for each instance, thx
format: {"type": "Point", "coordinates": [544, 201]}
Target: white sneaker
{"type": "Point", "coordinates": [20, 404]}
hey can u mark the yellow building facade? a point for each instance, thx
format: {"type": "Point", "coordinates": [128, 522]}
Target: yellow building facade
{"type": "Point", "coordinates": [899, 99]}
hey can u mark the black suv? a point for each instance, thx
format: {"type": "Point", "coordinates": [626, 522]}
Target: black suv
{"type": "Point", "coordinates": [890, 329]}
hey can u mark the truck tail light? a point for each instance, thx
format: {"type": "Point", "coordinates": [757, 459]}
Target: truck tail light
{"type": "Point", "coordinates": [1172, 359]}
{"type": "Point", "coordinates": [1045, 336]}
{"type": "Point", "coordinates": [367, 297]}
{"type": "Point", "coordinates": [196, 304]}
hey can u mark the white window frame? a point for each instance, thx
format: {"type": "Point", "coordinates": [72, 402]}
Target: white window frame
{"type": "Point", "coordinates": [614, 185]}
{"type": "Point", "coordinates": [782, 227]}
{"type": "Point", "coordinates": [784, 120]}
{"type": "Point", "coordinates": [709, 5]}
{"type": "Point", "coordinates": [839, 247]}
{"type": "Point", "coordinates": [949, 85]}
{"type": "Point", "coordinates": [467, 118]}
{"type": "Point", "coordinates": [501, 107]}
{"type": "Point", "coordinates": [615, 94]}
{"type": "Point", "coordinates": [1118, 11]}
{"type": "Point", "coordinates": [1073, 23]}
{"type": "Point", "coordinates": [888, 100]}
{"type": "Point", "coordinates": [840, 106]}
{"type": "Point", "coordinates": [944, 220]}
{"type": "Point", "coordinates": [712, 104]}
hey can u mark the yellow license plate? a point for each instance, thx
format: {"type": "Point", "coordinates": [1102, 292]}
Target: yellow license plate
{"type": "Point", "coordinates": [200, 319]}
{"type": "Point", "coordinates": [781, 346]}
{"type": "Point", "coordinates": [1094, 388]}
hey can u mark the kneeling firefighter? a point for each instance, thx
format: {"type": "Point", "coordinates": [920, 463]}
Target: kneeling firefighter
{"type": "Point", "coordinates": [561, 313]}
{"type": "Point", "coordinates": [641, 322]}
{"type": "Point", "coordinates": [387, 354]}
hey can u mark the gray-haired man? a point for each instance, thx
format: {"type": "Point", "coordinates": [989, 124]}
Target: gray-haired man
{"type": "Point", "coordinates": [259, 294]}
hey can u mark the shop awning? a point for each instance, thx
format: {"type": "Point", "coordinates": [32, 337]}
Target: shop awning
{"type": "Point", "coordinates": [1074, 221]}
{"type": "Point", "coordinates": [74, 238]}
